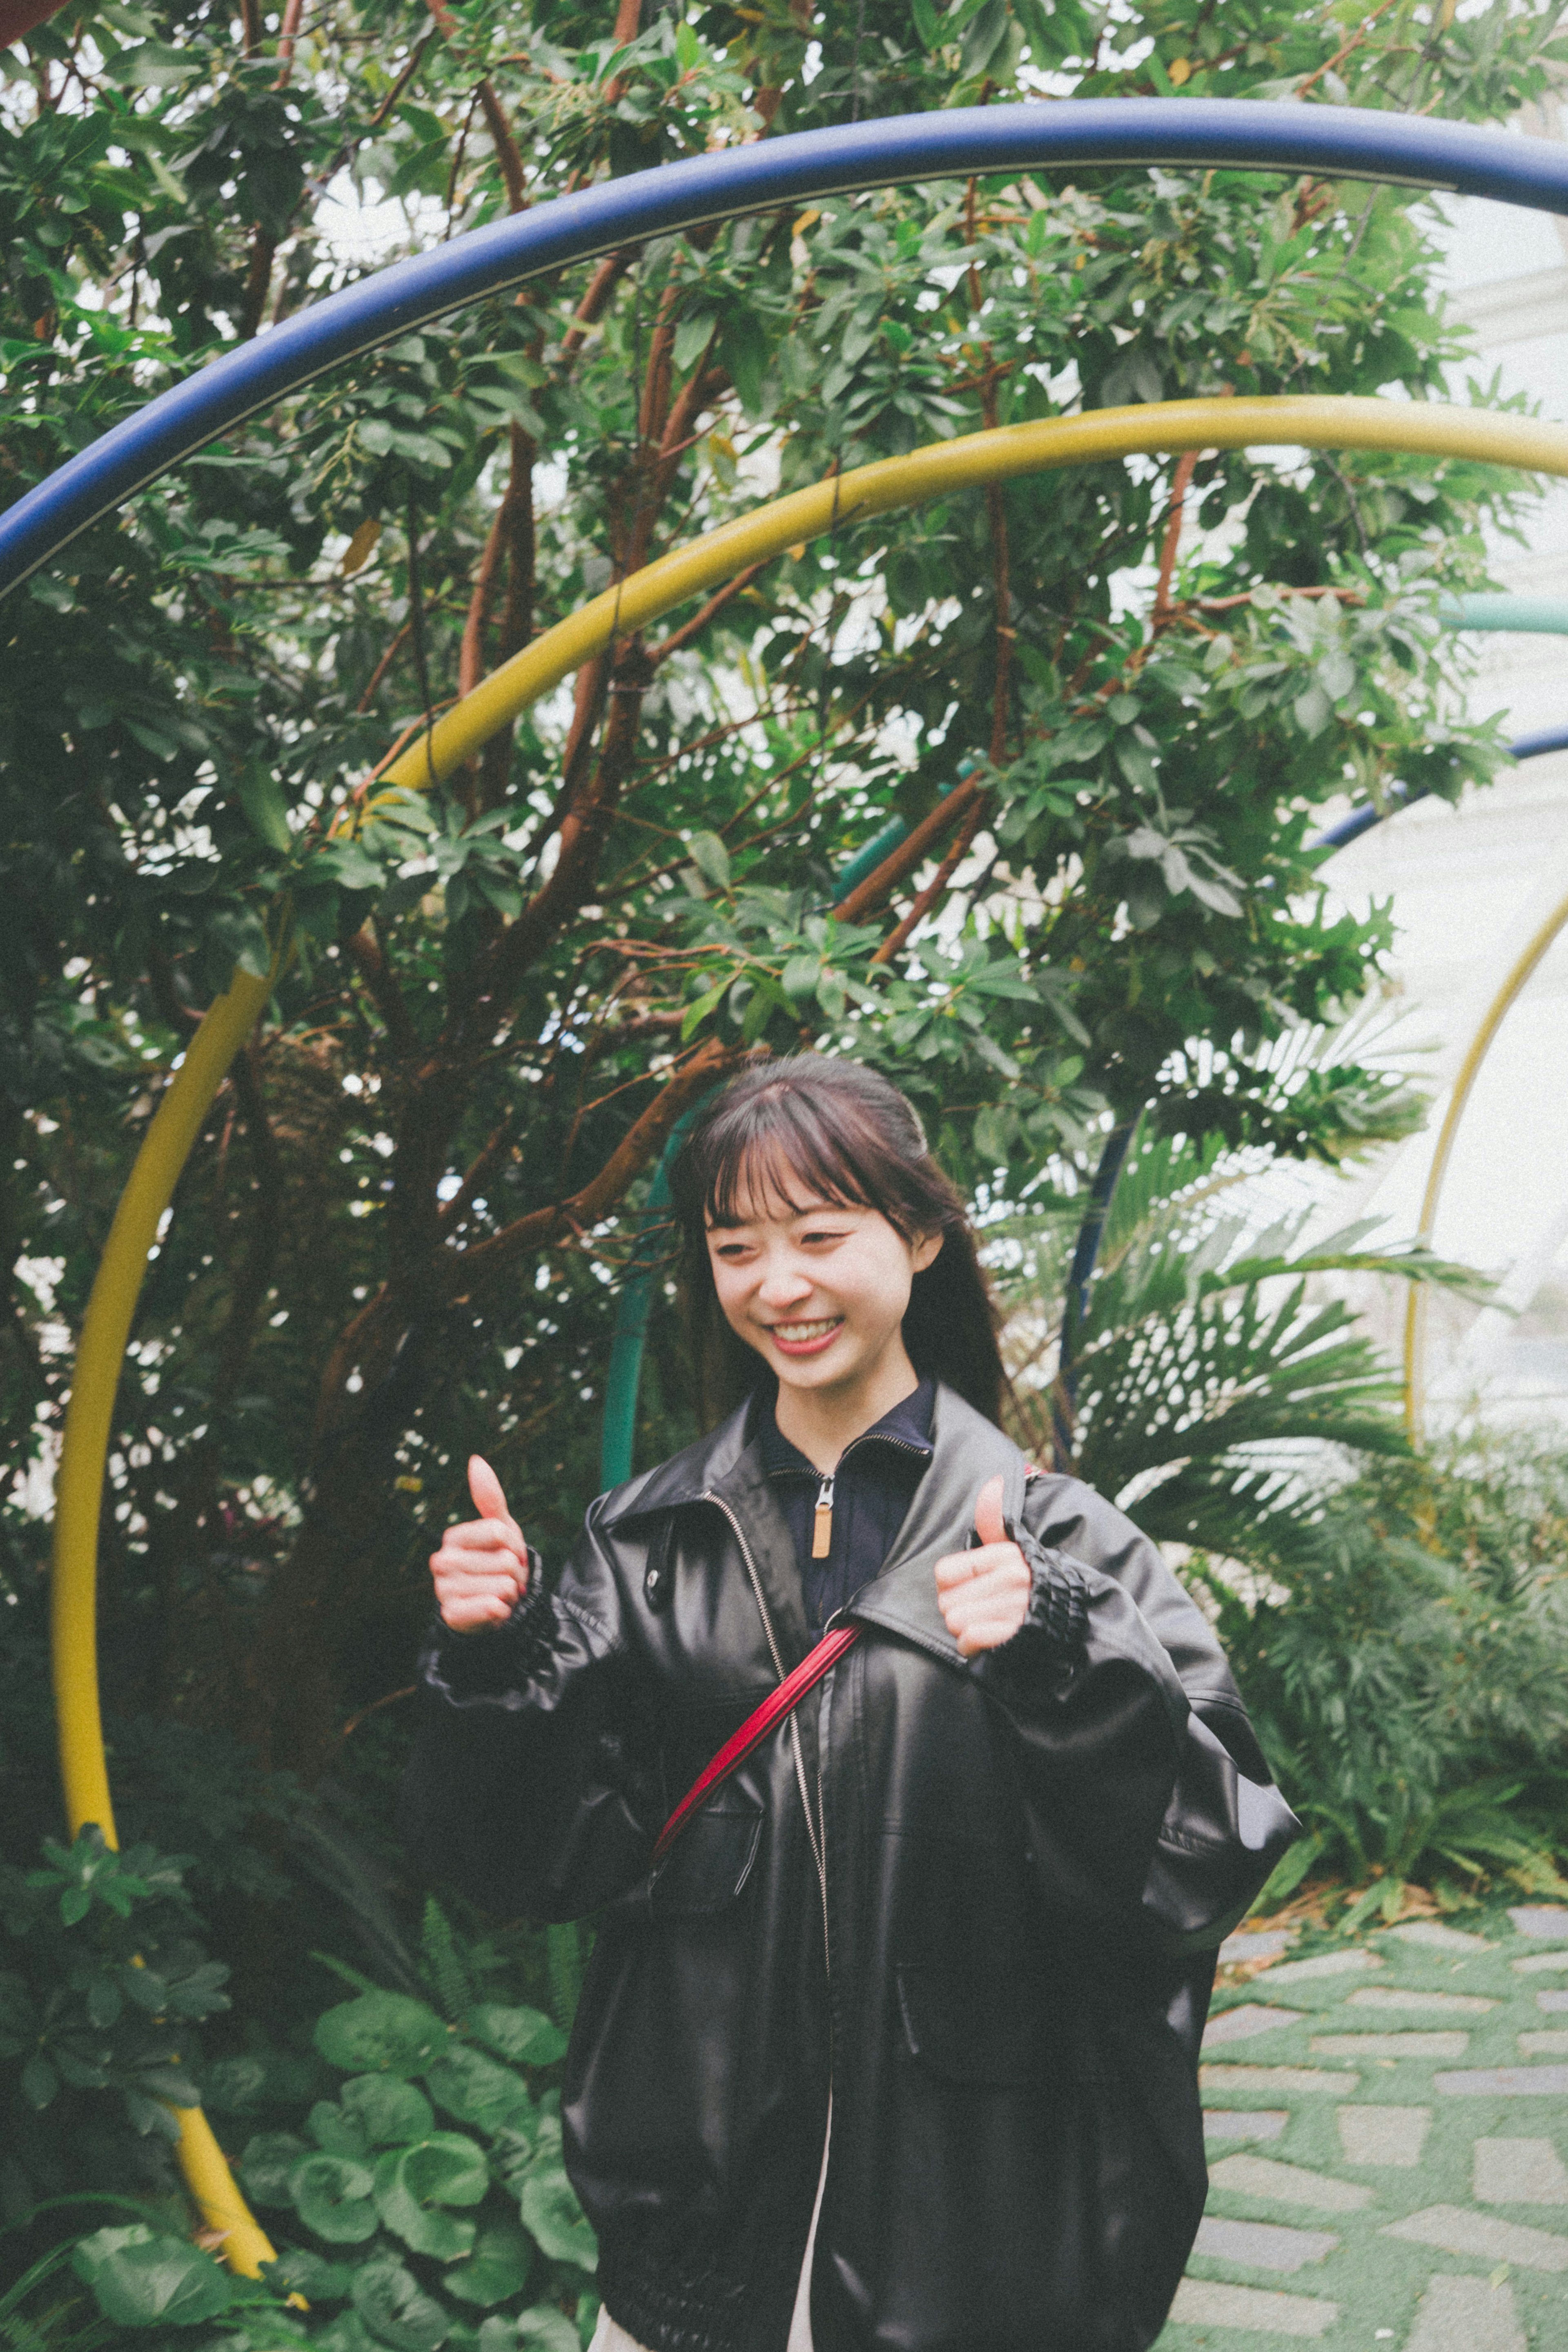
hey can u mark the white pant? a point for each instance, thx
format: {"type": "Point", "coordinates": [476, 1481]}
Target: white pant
{"type": "Point", "coordinates": [608, 2338]}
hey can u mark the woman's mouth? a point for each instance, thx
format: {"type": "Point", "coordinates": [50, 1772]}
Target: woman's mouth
{"type": "Point", "coordinates": [805, 1339]}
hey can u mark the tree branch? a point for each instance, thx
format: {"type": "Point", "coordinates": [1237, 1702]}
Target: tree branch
{"type": "Point", "coordinates": [909, 854]}
{"type": "Point", "coordinates": [507, 153]}
{"type": "Point", "coordinates": [937, 884]}
{"type": "Point", "coordinates": [596, 301]}
{"type": "Point", "coordinates": [699, 621]}
{"type": "Point", "coordinates": [369, 961]}
{"type": "Point", "coordinates": [643, 1141]}
{"type": "Point", "coordinates": [1181, 482]}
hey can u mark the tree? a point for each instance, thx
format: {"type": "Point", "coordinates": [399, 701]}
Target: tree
{"type": "Point", "coordinates": [399, 1232]}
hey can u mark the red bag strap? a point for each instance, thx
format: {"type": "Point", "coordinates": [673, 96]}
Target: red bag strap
{"type": "Point", "coordinates": [755, 1730]}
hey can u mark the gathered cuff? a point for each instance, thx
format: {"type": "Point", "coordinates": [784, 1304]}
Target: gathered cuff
{"type": "Point", "coordinates": [494, 1657]}
{"type": "Point", "coordinates": [1055, 1629]}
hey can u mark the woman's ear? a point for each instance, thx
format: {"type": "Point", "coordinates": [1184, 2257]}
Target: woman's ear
{"type": "Point", "coordinates": [925, 1251]}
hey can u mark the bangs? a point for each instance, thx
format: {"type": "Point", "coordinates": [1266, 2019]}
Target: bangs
{"type": "Point", "coordinates": [782, 1149]}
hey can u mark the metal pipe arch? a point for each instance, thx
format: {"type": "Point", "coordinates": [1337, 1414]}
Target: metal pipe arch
{"type": "Point", "coordinates": [1244, 134]}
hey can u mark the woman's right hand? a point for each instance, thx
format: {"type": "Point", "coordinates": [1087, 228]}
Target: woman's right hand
{"type": "Point", "coordinates": [481, 1571]}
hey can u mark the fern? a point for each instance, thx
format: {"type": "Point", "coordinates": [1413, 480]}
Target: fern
{"type": "Point", "coordinates": [444, 1968]}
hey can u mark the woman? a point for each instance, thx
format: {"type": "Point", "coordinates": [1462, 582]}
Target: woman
{"type": "Point", "coordinates": [964, 1902]}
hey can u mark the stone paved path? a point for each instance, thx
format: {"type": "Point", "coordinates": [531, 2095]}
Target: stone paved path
{"type": "Point", "coordinates": [1387, 2142]}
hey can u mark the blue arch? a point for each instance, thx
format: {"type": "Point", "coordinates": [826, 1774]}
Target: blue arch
{"type": "Point", "coordinates": [1247, 135]}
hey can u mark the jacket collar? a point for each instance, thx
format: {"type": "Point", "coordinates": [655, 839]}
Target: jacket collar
{"type": "Point", "coordinates": [966, 1449]}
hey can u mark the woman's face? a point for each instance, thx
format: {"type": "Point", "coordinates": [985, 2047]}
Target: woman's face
{"type": "Point", "coordinates": [818, 1288]}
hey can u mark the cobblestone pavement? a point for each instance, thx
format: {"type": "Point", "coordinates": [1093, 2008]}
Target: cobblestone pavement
{"type": "Point", "coordinates": [1387, 2125]}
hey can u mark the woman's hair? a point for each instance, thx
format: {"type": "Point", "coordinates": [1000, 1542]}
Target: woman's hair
{"type": "Point", "coordinates": [841, 1133]}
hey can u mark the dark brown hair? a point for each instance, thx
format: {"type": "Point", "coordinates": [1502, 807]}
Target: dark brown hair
{"type": "Point", "coordinates": [845, 1134]}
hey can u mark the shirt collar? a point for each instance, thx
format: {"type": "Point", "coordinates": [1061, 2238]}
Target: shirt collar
{"type": "Point", "coordinates": [908, 1425]}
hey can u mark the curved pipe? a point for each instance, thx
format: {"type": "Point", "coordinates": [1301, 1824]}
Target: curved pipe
{"type": "Point", "coordinates": [1512, 987]}
{"type": "Point", "coordinates": [84, 1449]}
{"type": "Point", "coordinates": [924, 473]}
{"type": "Point", "coordinates": [1151, 428]}
{"type": "Point", "coordinates": [1245, 134]}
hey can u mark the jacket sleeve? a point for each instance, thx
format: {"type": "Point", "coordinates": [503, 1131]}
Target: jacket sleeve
{"type": "Point", "coordinates": [532, 1785]}
{"type": "Point", "coordinates": [1150, 1806]}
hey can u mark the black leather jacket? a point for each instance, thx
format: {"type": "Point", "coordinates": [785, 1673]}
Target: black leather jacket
{"type": "Point", "coordinates": [978, 1901]}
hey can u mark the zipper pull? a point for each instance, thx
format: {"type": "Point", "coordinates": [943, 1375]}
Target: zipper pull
{"type": "Point", "coordinates": [823, 1518]}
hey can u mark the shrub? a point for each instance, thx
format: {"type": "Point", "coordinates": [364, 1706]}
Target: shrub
{"type": "Point", "coordinates": [1407, 1668]}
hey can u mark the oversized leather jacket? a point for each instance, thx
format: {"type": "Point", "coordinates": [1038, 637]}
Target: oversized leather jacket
{"type": "Point", "coordinates": [977, 1901]}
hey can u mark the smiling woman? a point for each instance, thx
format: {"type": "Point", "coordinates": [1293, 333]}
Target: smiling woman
{"type": "Point", "coordinates": [801, 1133]}
{"type": "Point", "coordinates": [1012, 1747]}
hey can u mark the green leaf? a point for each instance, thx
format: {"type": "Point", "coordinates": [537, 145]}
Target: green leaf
{"type": "Point", "coordinates": [139, 2277]}
{"type": "Point", "coordinates": [338, 2133]}
{"type": "Point", "coordinates": [692, 337]}
{"type": "Point", "coordinates": [333, 2196]}
{"type": "Point", "coordinates": [348, 863]}
{"type": "Point", "coordinates": [153, 66]}
{"type": "Point", "coordinates": [711, 859]}
{"type": "Point", "coordinates": [547, 2326]}
{"type": "Point", "coordinates": [396, 2307]}
{"type": "Point", "coordinates": [413, 2184]}
{"type": "Point", "coordinates": [527, 2036]}
{"type": "Point", "coordinates": [983, 37]}
{"type": "Point", "coordinates": [497, 2267]}
{"type": "Point", "coordinates": [39, 2081]}
{"type": "Point", "coordinates": [260, 796]}
{"type": "Point", "coordinates": [381, 2033]}
{"type": "Point", "coordinates": [551, 2209]}
{"type": "Point", "coordinates": [743, 349]}
{"type": "Point", "coordinates": [386, 2110]}
{"type": "Point", "coordinates": [696, 1014]}
{"type": "Point", "coordinates": [478, 2090]}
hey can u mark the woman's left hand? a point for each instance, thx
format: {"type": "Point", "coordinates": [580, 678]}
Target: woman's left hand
{"type": "Point", "coordinates": [984, 1594]}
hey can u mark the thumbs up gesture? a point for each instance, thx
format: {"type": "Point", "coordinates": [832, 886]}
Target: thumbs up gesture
{"type": "Point", "coordinates": [481, 1571]}
{"type": "Point", "coordinates": [984, 1594]}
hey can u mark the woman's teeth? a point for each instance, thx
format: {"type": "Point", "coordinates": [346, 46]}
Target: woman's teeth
{"type": "Point", "coordinates": [794, 1333]}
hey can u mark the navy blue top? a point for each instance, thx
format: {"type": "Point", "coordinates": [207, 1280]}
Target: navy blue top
{"type": "Point", "coordinates": [876, 1476]}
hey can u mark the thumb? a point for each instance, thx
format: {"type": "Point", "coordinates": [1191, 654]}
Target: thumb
{"type": "Point", "coordinates": [989, 1524]}
{"type": "Point", "coordinates": [485, 1488]}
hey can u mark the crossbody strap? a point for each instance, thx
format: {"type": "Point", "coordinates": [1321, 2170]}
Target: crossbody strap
{"type": "Point", "coordinates": [774, 1708]}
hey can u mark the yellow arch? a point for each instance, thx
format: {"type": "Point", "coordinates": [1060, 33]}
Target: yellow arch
{"type": "Point", "coordinates": [1157, 428]}
{"type": "Point", "coordinates": [1512, 986]}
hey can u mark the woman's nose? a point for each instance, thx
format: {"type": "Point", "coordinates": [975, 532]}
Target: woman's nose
{"type": "Point", "coordinates": [784, 1286]}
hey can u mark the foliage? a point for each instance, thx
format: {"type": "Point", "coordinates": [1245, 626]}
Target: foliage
{"type": "Point", "coordinates": [1405, 1669]}
{"type": "Point", "coordinates": [399, 1236]}
{"type": "Point", "coordinates": [1210, 1362]}
{"type": "Point", "coordinates": [104, 1985]}
{"type": "Point", "coordinates": [410, 2217]}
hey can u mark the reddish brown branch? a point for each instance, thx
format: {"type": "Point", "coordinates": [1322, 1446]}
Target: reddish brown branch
{"type": "Point", "coordinates": [507, 153]}
{"type": "Point", "coordinates": [1181, 482]}
{"type": "Point", "coordinates": [937, 884]}
{"type": "Point", "coordinates": [699, 621]}
{"type": "Point", "coordinates": [596, 300]}
{"type": "Point", "coordinates": [909, 854]}
{"type": "Point", "coordinates": [471, 653]}
{"type": "Point", "coordinates": [370, 963]}
{"type": "Point", "coordinates": [643, 1141]}
{"type": "Point", "coordinates": [288, 34]}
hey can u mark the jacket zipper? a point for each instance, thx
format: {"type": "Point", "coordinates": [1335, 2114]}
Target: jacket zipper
{"type": "Point", "coordinates": [815, 1835]}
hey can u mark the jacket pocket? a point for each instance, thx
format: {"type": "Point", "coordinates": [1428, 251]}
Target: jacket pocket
{"type": "Point", "coordinates": [993, 2033]}
{"type": "Point", "coordinates": [711, 1863]}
